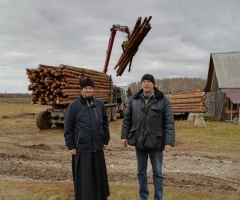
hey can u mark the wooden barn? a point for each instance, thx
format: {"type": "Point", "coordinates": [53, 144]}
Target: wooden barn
{"type": "Point", "coordinates": [223, 86]}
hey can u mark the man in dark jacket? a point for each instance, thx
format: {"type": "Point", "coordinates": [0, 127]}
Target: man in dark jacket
{"type": "Point", "coordinates": [149, 126]}
{"type": "Point", "coordinates": [86, 133]}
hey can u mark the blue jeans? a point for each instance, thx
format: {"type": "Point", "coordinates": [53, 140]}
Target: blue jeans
{"type": "Point", "coordinates": [156, 158]}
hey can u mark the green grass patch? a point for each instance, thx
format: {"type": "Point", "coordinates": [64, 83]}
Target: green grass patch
{"type": "Point", "coordinates": [16, 109]}
{"type": "Point", "coordinates": [15, 116]}
{"type": "Point", "coordinates": [34, 191]}
{"type": "Point", "coordinates": [224, 135]}
{"type": "Point", "coordinates": [64, 191]}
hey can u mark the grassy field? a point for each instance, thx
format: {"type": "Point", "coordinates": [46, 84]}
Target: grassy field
{"type": "Point", "coordinates": [63, 191]}
{"type": "Point", "coordinates": [224, 135]}
{"type": "Point", "coordinates": [217, 135]}
{"type": "Point", "coordinates": [10, 107]}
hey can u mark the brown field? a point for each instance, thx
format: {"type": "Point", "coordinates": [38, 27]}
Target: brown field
{"type": "Point", "coordinates": [36, 164]}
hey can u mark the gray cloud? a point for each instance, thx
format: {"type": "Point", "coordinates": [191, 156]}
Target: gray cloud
{"type": "Point", "coordinates": [183, 34]}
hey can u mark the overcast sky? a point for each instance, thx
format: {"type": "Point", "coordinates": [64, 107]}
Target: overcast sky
{"type": "Point", "coordinates": [184, 33]}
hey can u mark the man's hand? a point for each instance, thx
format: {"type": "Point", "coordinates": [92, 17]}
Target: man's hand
{"type": "Point", "coordinates": [124, 142]}
{"type": "Point", "coordinates": [72, 151]}
{"type": "Point", "coordinates": [168, 148]}
{"type": "Point", "coordinates": [104, 146]}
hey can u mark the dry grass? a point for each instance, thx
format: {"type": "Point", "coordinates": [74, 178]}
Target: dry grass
{"type": "Point", "coordinates": [63, 191]}
{"type": "Point", "coordinates": [35, 191]}
{"type": "Point", "coordinates": [18, 112]}
{"type": "Point", "coordinates": [16, 109]}
{"type": "Point", "coordinates": [131, 193]}
{"type": "Point", "coordinates": [223, 135]}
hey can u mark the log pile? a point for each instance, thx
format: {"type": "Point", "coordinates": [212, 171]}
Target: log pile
{"type": "Point", "coordinates": [139, 32]}
{"type": "Point", "coordinates": [188, 102]}
{"type": "Point", "coordinates": [59, 85]}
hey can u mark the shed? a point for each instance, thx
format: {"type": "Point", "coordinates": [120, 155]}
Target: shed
{"type": "Point", "coordinates": [223, 85]}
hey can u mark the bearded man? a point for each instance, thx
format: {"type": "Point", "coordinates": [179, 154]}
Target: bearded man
{"type": "Point", "coordinates": [86, 133]}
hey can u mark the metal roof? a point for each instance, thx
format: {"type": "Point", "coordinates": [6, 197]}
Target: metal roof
{"type": "Point", "coordinates": [227, 68]}
{"type": "Point", "coordinates": [233, 94]}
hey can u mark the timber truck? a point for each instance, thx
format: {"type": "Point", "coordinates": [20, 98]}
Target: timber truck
{"type": "Point", "coordinates": [115, 108]}
{"type": "Point", "coordinates": [56, 114]}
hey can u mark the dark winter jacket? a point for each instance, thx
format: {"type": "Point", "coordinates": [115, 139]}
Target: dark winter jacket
{"type": "Point", "coordinates": [86, 126]}
{"type": "Point", "coordinates": [149, 126]}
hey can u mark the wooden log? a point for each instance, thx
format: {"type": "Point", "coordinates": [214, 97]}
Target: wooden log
{"type": "Point", "coordinates": [71, 75]}
{"type": "Point", "coordinates": [186, 92]}
{"type": "Point", "coordinates": [63, 84]}
{"type": "Point", "coordinates": [196, 105]}
{"type": "Point", "coordinates": [70, 90]}
{"type": "Point", "coordinates": [104, 91]}
{"type": "Point", "coordinates": [76, 73]}
{"type": "Point", "coordinates": [135, 39]}
{"type": "Point", "coordinates": [128, 56]}
{"type": "Point", "coordinates": [202, 94]}
{"type": "Point", "coordinates": [187, 96]}
{"type": "Point", "coordinates": [48, 81]}
{"type": "Point", "coordinates": [96, 79]}
{"type": "Point", "coordinates": [82, 71]}
{"type": "Point", "coordinates": [30, 70]}
{"type": "Point", "coordinates": [183, 110]}
{"type": "Point", "coordinates": [48, 78]}
{"type": "Point", "coordinates": [47, 66]}
{"type": "Point", "coordinates": [71, 93]}
{"type": "Point", "coordinates": [70, 86]}
{"type": "Point", "coordinates": [188, 100]}
{"type": "Point", "coordinates": [99, 77]}
{"type": "Point", "coordinates": [72, 97]}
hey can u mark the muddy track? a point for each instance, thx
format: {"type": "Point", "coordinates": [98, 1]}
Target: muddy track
{"type": "Point", "coordinates": [39, 158]}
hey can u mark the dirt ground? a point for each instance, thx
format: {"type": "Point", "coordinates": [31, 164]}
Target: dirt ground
{"type": "Point", "coordinates": [42, 156]}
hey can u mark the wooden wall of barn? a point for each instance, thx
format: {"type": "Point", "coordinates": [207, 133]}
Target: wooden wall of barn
{"type": "Point", "coordinates": [215, 100]}
{"type": "Point", "coordinates": [215, 103]}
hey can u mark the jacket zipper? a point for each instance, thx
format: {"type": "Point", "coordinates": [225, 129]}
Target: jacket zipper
{"type": "Point", "coordinates": [95, 113]}
{"type": "Point", "coordinates": [78, 137]}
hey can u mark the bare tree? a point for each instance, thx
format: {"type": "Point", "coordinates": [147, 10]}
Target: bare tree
{"type": "Point", "coordinates": [174, 85]}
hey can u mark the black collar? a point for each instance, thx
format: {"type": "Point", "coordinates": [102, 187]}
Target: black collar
{"type": "Point", "coordinates": [157, 94]}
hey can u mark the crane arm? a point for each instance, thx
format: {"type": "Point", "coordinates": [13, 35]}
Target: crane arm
{"type": "Point", "coordinates": [113, 30]}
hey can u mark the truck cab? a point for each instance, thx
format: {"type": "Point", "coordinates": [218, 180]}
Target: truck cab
{"type": "Point", "coordinates": [121, 100]}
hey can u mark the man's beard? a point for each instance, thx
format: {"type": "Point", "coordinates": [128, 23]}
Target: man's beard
{"type": "Point", "coordinates": [89, 97]}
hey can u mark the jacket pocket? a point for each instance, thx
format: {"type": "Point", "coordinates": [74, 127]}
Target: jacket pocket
{"type": "Point", "coordinates": [155, 117]}
{"type": "Point", "coordinates": [155, 111]}
{"type": "Point", "coordinates": [153, 142]}
{"type": "Point", "coordinates": [132, 137]}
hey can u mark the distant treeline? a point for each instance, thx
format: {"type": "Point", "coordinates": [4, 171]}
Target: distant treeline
{"type": "Point", "coordinates": [174, 85]}
{"type": "Point", "coordinates": [14, 95]}
{"type": "Point", "coordinates": [166, 85]}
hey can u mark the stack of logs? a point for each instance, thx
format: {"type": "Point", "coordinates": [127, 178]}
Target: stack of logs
{"type": "Point", "coordinates": [188, 102]}
{"type": "Point", "coordinates": [135, 39]}
{"type": "Point", "coordinates": [51, 85]}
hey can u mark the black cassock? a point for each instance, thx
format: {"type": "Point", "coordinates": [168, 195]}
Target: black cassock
{"type": "Point", "coordinates": [90, 176]}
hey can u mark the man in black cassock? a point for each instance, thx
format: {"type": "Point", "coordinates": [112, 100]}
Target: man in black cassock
{"type": "Point", "coordinates": [86, 133]}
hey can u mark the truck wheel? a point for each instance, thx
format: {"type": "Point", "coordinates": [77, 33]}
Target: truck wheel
{"type": "Point", "coordinates": [43, 120]}
{"type": "Point", "coordinates": [114, 113]}
{"type": "Point", "coordinates": [109, 113]}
